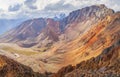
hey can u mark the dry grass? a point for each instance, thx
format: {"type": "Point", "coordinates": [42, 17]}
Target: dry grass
{"type": "Point", "coordinates": [23, 52]}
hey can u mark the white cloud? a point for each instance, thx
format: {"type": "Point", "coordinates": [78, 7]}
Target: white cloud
{"type": "Point", "coordinates": [41, 4]}
{"type": "Point", "coordinates": [4, 4]}
{"type": "Point", "coordinates": [113, 4]}
{"type": "Point", "coordinates": [47, 8]}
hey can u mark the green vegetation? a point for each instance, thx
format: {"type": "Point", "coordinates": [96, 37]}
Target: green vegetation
{"type": "Point", "coordinates": [24, 52]}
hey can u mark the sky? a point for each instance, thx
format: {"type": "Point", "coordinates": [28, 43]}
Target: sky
{"type": "Point", "coordinates": [14, 9]}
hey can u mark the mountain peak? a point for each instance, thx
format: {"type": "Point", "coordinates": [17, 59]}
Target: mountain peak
{"type": "Point", "coordinates": [59, 17]}
{"type": "Point", "coordinates": [94, 10]}
{"type": "Point", "coordinates": [100, 5]}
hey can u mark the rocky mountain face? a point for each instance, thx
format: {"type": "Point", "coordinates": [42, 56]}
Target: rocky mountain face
{"type": "Point", "coordinates": [104, 65]}
{"type": "Point", "coordinates": [82, 20]}
{"type": "Point", "coordinates": [11, 68]}
{"type": "Point", "coordinates": [73, 41]}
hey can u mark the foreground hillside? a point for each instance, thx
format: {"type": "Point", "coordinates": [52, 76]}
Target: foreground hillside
{"type": "Point", "coordinates": [11, 68]}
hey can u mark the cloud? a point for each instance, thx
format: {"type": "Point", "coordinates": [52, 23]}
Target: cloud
{"type": "Point", "coordinates": [5, 4]}
{"type": "Point", "coordinates": [30, 4]}
{"type": "Point", "coordinates": [30, 1]}
{"type": "Point", "coordinates": [15, 7]}
{"type": "Point", "coordinates": [59, 6]}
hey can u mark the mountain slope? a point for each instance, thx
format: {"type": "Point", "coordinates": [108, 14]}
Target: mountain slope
{"type": "Point", "coordinates": [107, 64]}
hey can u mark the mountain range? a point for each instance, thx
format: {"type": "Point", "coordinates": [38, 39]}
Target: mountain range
{"type": "Point", "coordinates": [85, 43]}
{"type": "Point", "coordinates": [7, 24]}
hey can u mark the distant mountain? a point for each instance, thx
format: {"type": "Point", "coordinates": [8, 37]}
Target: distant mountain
{"type": "Point", "coordinates": [33, 32]}
{"type": "Point", "coordinates": [59, 17]}
{"type": "Point", "coordinates": [7, 24]}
